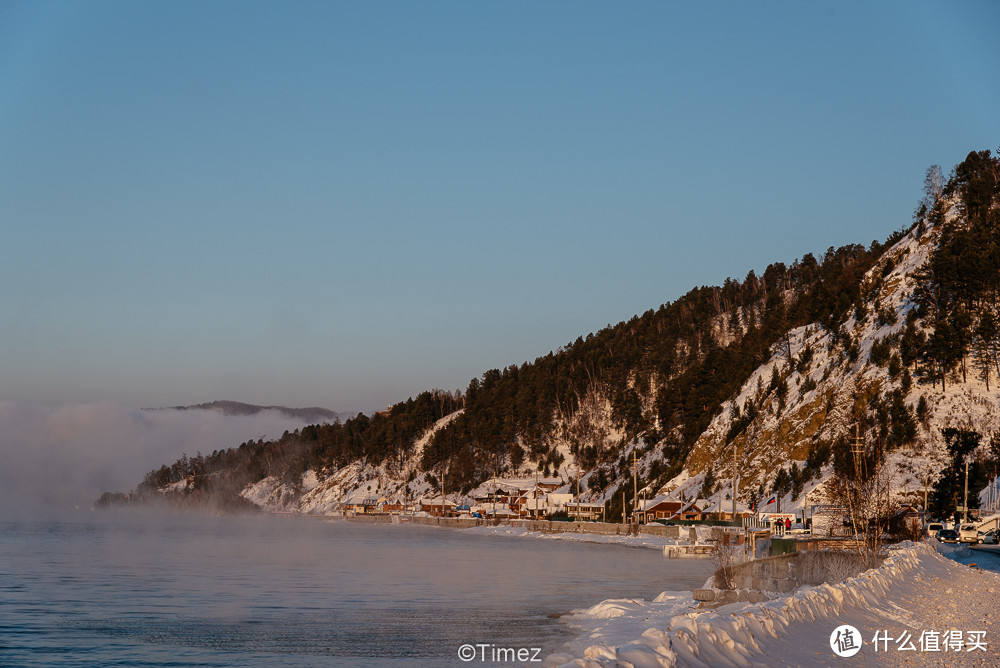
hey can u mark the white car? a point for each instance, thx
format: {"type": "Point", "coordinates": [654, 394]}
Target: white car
{"type": "Point", "coordinates": [968, 533]}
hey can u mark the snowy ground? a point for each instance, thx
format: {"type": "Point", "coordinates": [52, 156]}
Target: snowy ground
{"type": "Point", "coordinates": [940, 606]}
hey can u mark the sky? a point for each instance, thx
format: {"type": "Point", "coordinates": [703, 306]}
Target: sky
{"type": "Point", "coordinates": [342, 204]}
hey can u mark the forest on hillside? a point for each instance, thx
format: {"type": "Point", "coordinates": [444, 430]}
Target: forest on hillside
{"type": "Point", "coordinates": [683, 359]}
{"type": "Point", "coordinates": [667, 372]}
{"type": "Point", "coordinates": [959, 293]}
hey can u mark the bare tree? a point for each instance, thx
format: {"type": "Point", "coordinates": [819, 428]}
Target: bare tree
{"type": "Point", "coordinates": [862, 479]}
{"type": "Point", "coordinates": [726, 556]}
{"type": "Point", "coordinates": [934, 183]}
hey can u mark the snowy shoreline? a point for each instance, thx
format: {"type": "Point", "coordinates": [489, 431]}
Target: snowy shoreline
{"type": "Point", "coordinates": [916, 591]}
{"type": "Point", "coordinates": [646, 541]}
{"type": "Point", "coordinates": [682, 548]}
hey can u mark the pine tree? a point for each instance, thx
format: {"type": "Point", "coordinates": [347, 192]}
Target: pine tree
{"type": "Point", "coordinates": [708, 486]}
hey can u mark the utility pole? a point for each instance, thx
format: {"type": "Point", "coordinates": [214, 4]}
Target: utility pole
{"type": "Point", "coordinates": [965, 500]}
{"type": "Point", "coordinates": [857, 449]}
{"type": "Point", "coordinates": [635, 483]}
{"type": "Point", "coordinates": [736, 483]}
{"type": "Point", "coordinates": [926, 476]}
{"type": "Point", "coordinates": [536, 494]}
{"type": "Point", "coordinates": [576, 515]}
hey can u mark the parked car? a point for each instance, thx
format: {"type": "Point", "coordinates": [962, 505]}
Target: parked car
{"type": "Point", "coordinates": [968, 533]}
{"type": "Point", "coordinates": [947, 536]}
{"type": "Point", "coordinates": [932, 528]}
{"type": "Point", "coordinates": [988, 538]}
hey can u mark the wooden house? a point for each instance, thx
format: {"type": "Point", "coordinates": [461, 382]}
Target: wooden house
{"type": "Point", "coordinates": [661, 508]}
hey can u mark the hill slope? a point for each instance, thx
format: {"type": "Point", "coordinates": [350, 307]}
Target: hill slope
{"type": "Point", "coordinates": [897, 344]}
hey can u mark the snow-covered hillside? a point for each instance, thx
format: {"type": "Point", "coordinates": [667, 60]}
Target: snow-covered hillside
{"type": "Point", "coordinates": [824, 385]}
{"type": "Point", "coordinates": [328, 492]}
{"type": "Point", "coordinates": [824, 379]}
{"type": "Point", "coordinates": [753, 387]}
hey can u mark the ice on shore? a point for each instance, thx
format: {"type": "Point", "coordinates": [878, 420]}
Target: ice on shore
{"type": "Point", "coordinates": [634, 540]}
{"type": "Point", "coordinates": [913, 591]}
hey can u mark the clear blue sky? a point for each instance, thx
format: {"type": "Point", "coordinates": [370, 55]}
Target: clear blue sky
{"type": "Point", "coordinates": [345, 203]}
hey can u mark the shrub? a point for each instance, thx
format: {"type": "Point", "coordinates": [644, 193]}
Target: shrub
{"type": "Point", "coordinates": [726, 558]}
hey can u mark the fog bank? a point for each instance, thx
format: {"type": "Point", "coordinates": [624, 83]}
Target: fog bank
{"type": "Point", "coordinates": [55, 458]}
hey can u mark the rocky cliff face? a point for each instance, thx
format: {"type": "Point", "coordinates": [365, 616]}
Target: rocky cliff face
{"type": "Point", "coordinates": [807, 398]}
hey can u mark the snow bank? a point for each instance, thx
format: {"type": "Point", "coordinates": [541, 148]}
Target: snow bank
{"type": "Point", "coordinates": [615, 607]}
{"type": "Point", "coordinates": [730, 635]}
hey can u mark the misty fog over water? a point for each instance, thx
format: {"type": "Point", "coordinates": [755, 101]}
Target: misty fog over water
{"type": "Point", "coordinates": [58, 458]}
{"type": "Point", "coordinates": [155, 588]}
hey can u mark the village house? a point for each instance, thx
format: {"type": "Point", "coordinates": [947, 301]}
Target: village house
{"type": "Point", "coordinates": [354, 508]}
{"type": "Point", "coordinates": [392, 507]}
{"type": "Point", "coordinates": [534, 507]}
{"type": "Point", "coordinates": [549, 484]}
{"type": "Point", "coordinates": [532, 503]}
{"type": "Point", "coordinates": [907, 519]}
{"type": "Point", "coordinates": [661, 508]}
{"type": "Point", "coordinates": [556, 503]}
{"type": "Point", "coordinates": [588, 512]}
{"type": "Point", "coordinates": [500, 511]}
{"type": "Point", "coordinates": [519, 505]}
{"type": "Point", "coordinates": [376, 506]}
{"type": "Point", "coordinates": [497, 493]}
{"type": "Point", "coordinates": [435, 508]}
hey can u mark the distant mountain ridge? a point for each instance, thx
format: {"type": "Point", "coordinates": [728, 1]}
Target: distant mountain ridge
{"type": "Point", "coordinates": [312, 414]}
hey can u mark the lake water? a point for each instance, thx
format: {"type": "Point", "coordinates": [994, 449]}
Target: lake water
{"type": "Point", "coordinates": [145, 589]}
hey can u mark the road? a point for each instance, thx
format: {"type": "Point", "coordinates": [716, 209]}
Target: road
{"type": "Point", "coordinates": [992, 550]}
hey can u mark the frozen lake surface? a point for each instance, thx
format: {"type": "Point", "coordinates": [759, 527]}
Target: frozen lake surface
{"type": "Point", "coordinates": [143, 589]}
